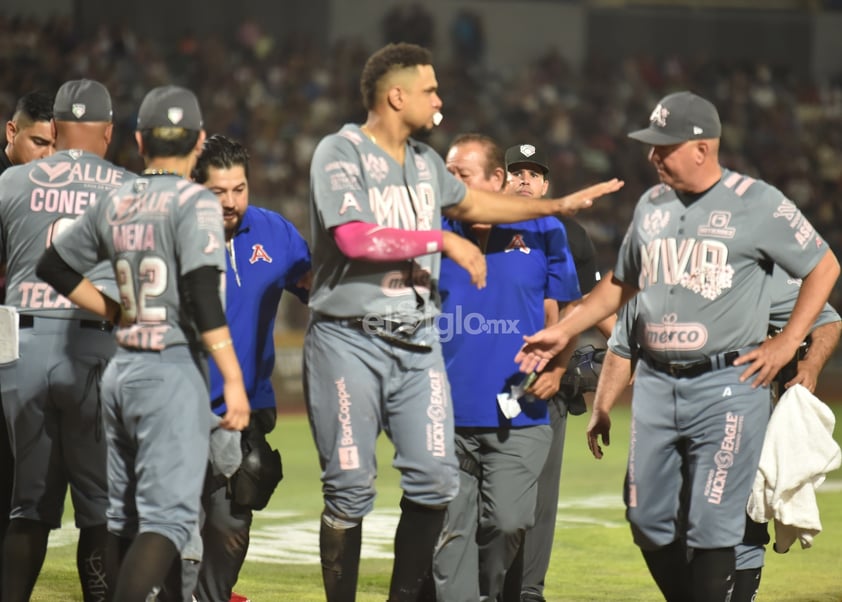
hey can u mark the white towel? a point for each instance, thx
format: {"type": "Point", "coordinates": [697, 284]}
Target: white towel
{"type": "Point", "coordinates": [798, 452]}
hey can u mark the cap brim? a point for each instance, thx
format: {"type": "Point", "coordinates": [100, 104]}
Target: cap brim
{"type": "Point", "coordinates": [543, 168]}
{"type": "Point", "coordinates": [655, 138]}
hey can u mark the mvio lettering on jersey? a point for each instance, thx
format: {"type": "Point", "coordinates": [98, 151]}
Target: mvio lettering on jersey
{"type": "Point", "coordinates": [133, 237]}
{"type": "Point", "coordinates": [437, 413]}
{"type": "Point", "coordinates": [723, 459]}
{"type": "Point", "coordinates": [671, 335]}
{"type": "Point", "coordinates": [125, 208]}
{"type": "Point", "coordinates": [143, 336]}
{"type": "Point", "coordinates": [698, 265]}
{"type": "Point", "coordinates": [410, 208]}
{"type": "Point", "coordinates": [70, 202]}
{"type": "Point", "coordinates": [56, 175]}
{"type": "Point", "coordinates": [40, 295]}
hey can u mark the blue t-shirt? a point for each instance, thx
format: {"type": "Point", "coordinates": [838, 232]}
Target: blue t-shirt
{"type": "Point", "coordinates": [269, 257]}
{"type": "Point", "coordinates": [482, 330]}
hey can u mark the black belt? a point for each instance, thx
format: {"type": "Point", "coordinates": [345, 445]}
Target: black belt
{"type": "Point", "coordinates": [391, 331]}
{"type": "Point", "coordinates": [28, 321]}
{"type": "Point", "coordinates": [693, 369]}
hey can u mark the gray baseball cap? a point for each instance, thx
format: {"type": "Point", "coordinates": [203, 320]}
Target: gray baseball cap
{"type": "Point", "coordinates": [82, 100]}
{"type": "Point", "coordinates": [680, 117]}
{"type": "Point", "coordinates": [169, 107]}
{"type": "Point", "coordinates": [526, 154]}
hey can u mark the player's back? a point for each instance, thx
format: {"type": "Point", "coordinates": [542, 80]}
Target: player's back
{"type": "Point", "coordinates": [38, 201]}
{"type": "Point", "coordinates": [153, 230]}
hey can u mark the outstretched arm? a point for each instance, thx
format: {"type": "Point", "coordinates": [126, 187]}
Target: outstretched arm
{"type": "Point", "coordinates": [485, 207]}
{"type": "Point", "coordinates": [605, 299]}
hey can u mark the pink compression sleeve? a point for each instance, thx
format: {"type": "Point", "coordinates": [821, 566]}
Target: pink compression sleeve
{"type": "Point", "coordinates": [369, 242]}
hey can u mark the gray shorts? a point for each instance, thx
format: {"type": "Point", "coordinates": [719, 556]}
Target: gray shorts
{"type": "Point", "coordinates": [52, 407]}
{"type": "Point", "coordinates": [157, 424]}
{"type": "Point", "coordinates": [357, 385]}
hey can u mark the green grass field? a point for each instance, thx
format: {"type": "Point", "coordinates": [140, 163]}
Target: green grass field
{"type": "Point", "coordinates": [593, 558]}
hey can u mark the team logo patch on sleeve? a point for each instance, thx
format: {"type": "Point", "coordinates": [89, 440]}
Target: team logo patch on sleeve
{"type": "Point", "coordinates": [349, 201]}
{"type": "Point", "coordinates": [213, 244]}
{"type": "Point", "coordinates": [258, 253]}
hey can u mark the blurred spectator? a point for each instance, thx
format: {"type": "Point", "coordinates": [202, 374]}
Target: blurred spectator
{"type": "Point", "coordinates": [282, 95]}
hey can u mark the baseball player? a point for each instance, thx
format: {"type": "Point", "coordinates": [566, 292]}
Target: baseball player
{"type": "Point", "coordinates": [164, 237]}
{"type": "Point", "coordinates": [699, 250]}
{"type": "Point", "coordinates": [501, 448]}
{"type": "Point", "coordinates": [372, 360]}
{"type": "Point", "coordinates": [266, 256]}
{"type": "Point", "coordinates": [525, 578]}
{"type": "Point", "coordinates": [617, 371]}
{"type": "Point", "coordinates": [51, 393]}
{"type": "Point", "coordinates": [29, 136]}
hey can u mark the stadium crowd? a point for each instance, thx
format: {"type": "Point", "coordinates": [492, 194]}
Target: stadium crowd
{"type": "Point", "coordinates": [279, 97]}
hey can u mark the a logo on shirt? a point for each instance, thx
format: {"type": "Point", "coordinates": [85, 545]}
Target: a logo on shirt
{"type": "Point", "coordinates": [698, 265]}
{"type": "Point", "coordinates": [656, 221]}
{"type": "Point", "coordinates": [423, 169]}
{"type": "Point", "coordinates": [717, 225]}
{"type": "Point", "coordinates": [518, 243]}
{"type": "Point", "coordinates": [258, 253]}
{"type": "Point", "coordinates": [672, 335]}
{"type": "Point", "coordinates": [349, 201]}
{"type": "Point", "coordinates": [375, 166]}
{"type": "Point", "coordinates": [213, 244]}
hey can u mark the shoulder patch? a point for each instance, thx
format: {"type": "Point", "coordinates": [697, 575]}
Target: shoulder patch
{"type": "Point", "coordinates": [738, 183]}
{"type": "Point", "coordinates": [657, 191]}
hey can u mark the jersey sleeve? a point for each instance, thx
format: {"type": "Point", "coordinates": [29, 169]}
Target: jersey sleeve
{"type": "Point", "coordinates": [200, 233]}
{"type": "Point", "coordinates": [298, 262]}
{"type": "Point", "coordinates": [453, 190]}
{"type": "Point", "coordinates": [562, 281]}
{"type": "Point", "coordinates": [338, 188]}
{"type": "Point", "coordinates": [620, 341]}
{"type": "Point", "coordinates": [784, 234]}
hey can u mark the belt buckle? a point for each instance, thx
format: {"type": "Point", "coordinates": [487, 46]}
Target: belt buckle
{"type": "Point", "coordinates": [675, 370]}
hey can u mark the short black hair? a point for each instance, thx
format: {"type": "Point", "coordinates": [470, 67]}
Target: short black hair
{"type": "Point", "coordinates": [33, 106]}
{"type": "Point", "coordinates": [168, 142]}
{"type": "Point", "coordinates": [389, 58]}
{"type": "Point", "coordinates": [221, 153]}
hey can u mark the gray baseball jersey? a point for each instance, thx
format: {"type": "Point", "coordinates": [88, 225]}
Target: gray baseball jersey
{"type": "Point", "coordinates": [703, 265]}
{"type": "Point", "coordinates": [699, 266]}
{"type": "Point", "coordinates": [355, 383]}
{"type": "Point", "coordinates": [42, 199]}
{"type": "Point", "coordinates": [154, 230]}
{"type": "Point", "coordinates": [353, 179]}
{"type": "Point", "coordinates": [50, 395]}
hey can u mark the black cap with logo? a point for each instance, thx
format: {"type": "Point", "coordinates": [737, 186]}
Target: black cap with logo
{"type": "Point", "coordinates": [526, 154]}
